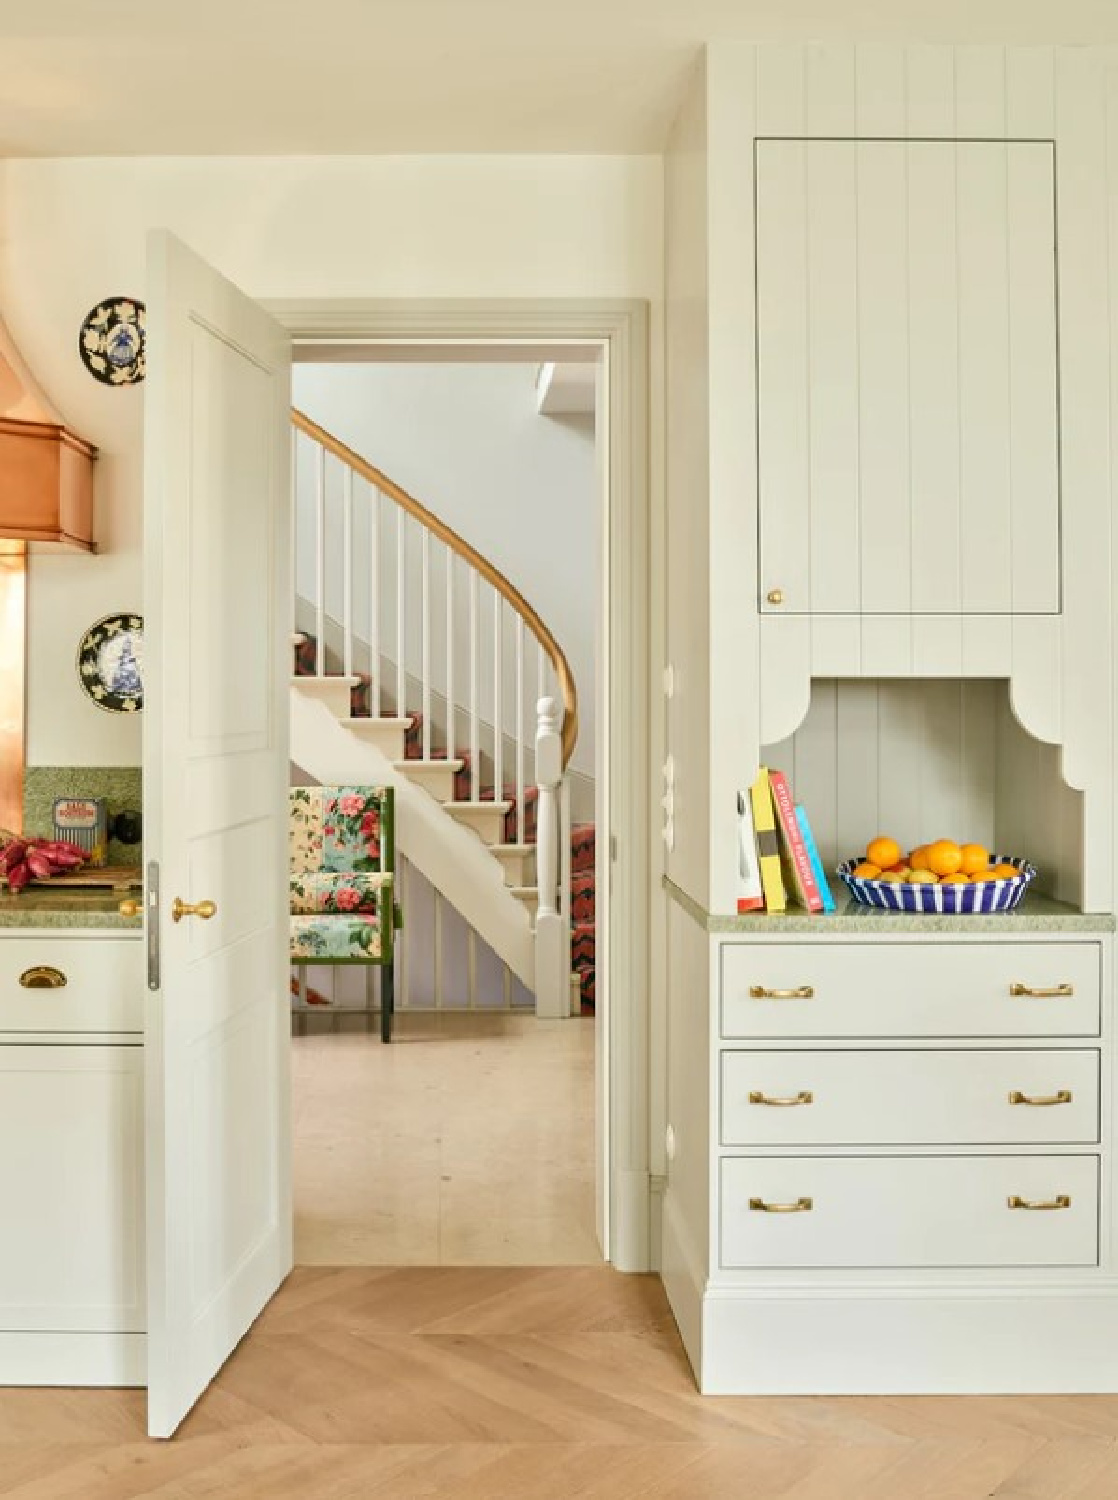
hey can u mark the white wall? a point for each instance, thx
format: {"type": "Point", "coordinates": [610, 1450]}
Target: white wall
{"type": "Point", "coordinates": [72, 232]}
{"type": "Point", "coordinates": [468, 442]}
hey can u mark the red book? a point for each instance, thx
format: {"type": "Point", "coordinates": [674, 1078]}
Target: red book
{"type": "Point", "coordinates": [795, 850]}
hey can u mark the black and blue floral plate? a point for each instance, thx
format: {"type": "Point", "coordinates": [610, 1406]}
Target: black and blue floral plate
{"type": "Point", "coordinates": [113, 341]}
{"type": "Point", "coordinates": [111, 663]}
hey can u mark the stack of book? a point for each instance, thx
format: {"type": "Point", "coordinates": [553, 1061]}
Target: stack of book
{"type": "Point", "coordinates": [777, 857]}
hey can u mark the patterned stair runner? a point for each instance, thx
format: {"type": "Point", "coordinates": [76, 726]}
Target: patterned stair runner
{"type": "Point", "coordinates": [582, 834]}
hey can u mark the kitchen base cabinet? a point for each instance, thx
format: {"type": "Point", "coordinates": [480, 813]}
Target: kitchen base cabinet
{"type": "Point", "coordinates": [925, 1207]}
{"type": "Point", "coordinates": [72, 1260]}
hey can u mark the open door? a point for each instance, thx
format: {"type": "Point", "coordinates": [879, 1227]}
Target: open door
{"type": "Point", "coordinates": [216, 590]}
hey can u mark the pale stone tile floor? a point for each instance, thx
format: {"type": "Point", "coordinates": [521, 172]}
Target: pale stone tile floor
{"type": "Point", "coordinates": [467, 1141]}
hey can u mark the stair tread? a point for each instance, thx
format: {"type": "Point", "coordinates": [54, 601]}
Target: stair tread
{"type": "Point", "coordinates": [488, 806]}
{"type": "Point", "coordinates": [417, 763]}
{"type": "Point", "coordinates": [363, 721]}
{"type": "Point", "coordinates": [309, 679]}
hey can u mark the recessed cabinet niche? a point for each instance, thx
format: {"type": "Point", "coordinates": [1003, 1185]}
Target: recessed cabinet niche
{"type": "Point", "coordinates": [921, 758]}
{"type": "Point", "coordinates": [907, 377]}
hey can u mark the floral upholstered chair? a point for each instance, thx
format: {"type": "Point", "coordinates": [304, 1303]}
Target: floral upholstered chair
{"type": "Point", "coordinates": [343, 907]}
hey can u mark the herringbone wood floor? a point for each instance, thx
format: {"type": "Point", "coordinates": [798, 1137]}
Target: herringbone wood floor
{"type": "Point", "coordinates": [558, 1384]}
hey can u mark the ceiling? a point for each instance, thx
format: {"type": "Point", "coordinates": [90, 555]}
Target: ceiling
{"type": "Point", "coordinates": [234, 77]}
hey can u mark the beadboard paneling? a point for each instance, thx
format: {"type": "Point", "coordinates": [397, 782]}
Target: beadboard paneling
{"type": "Point", "coordinates": [906, 356]}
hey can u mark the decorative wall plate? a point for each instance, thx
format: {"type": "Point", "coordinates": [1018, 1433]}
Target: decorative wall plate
{"type": "Point", "coordinates": [113, 341]}
{"type": "Point", "coordinates": [111, 661]}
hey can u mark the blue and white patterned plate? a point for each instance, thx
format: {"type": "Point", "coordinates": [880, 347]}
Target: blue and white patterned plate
{"type": "Point", "coordinates": [113, 339]}
{"type": "Point", "coordinates": [111, 661]}
{"type": "Point", "coordinates": [952, 899]}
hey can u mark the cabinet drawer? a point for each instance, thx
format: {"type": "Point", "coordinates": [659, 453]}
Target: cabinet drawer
{"type": "Point", "coordinates": [103, 989]}
{"type": "Point", "coordinates": [909, 1211]}
{"type": "Point", "coordinates": [910, 989]}
{"type": "Point", "coordinates": [896, 1098]}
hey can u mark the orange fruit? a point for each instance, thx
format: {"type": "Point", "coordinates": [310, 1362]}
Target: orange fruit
{"type": "Point", "coordinates": [900, 869]}
{"type": "Point", "coordinates": [1005, 872]}
{"type": "Point", "coordinates": [976, 858]}
{"type": "Point", "coordinates": [981, 875]}
{"type": "Point", "coordinates": [922, 877]}
{"type": "Point", "coordinates": [883, 852]}
{"type": "Point", "coordinates": [955, 879]}
{"type": "Point", "coordinates": [918, 859]}
{"type": "Point", "coordinates": [944, 857]}
{"type": "Point", "coordinates": [866, 871]}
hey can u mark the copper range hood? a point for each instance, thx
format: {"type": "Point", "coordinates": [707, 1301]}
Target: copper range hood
{"type": "Point", "coordinates": [46, 471]}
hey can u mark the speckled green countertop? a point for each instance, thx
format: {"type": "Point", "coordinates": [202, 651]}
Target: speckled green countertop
{"type": "Point", "coordinates": [1035, 914]}
{"type": "Point", "coordinates": [39, 907]}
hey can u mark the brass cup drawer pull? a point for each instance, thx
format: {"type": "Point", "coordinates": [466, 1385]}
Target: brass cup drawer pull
{"type": "Point", "coordinates": [1040, 1205]}
{"type": "Point", "coordinates": [801, 992]}
{"type": "Point", "coordinates": [203, 909]}
{"type": "Point", "coordinates": [1038, 992]}
{"type": "Point", "coordinates": [1040, 1101]}
{"type": "Point", "coordinates": [799, 1206]}
{"type": "Point", "coordinates": [43, 977]}
{"type": "Point", "coordinates": [805, 1096]}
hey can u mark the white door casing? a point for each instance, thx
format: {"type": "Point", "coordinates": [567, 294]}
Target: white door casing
{"type": "Point", "coordinates": [216, 589]}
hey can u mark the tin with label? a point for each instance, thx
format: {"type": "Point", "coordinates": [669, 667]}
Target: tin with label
{"type": "Point", "coordinates": [83, 821]}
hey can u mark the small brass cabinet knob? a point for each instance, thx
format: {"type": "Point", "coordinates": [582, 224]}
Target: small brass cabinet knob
{"type": "Point", "coordinates": [129, 908]}
{"type": "Point", "coordinates": [775, 596]}
{"type": "Point", "coordinates": [203, 909]}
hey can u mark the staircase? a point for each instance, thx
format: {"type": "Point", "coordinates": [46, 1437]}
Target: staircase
{"type": "Point", "coordinates": [412, 664]}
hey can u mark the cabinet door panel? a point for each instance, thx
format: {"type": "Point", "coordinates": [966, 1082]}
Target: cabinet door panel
{"type": "Point", "coordinates": [71, 1180]}
{"type": "Point", "coordinates": [907, 378]}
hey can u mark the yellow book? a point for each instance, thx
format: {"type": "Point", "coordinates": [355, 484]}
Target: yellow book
{"type": "Point", "coordinates": [768, 846]}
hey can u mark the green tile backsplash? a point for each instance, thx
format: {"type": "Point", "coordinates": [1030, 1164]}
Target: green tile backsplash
{"type": "Point", "coordinates": [121, 785]}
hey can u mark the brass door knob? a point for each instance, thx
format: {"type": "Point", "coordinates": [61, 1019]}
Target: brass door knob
{"type": "Point", "coordinates": [129, 908]}
{"type": "Point", "coordinates": [203, 909]}
{"type": "Point", "coordinates": [775, 596]}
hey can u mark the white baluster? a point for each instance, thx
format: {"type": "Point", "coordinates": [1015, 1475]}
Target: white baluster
{"type": "Point", "coordinates": [320, 563]}
{"type": "Point", "coordinates": [449, 654]}
{"type": "Point", "coordinates": [347, 570]}
{"type": "Point", "coordinates": [565, 871]}
{"type": "Point", "coordinates": [519, 729]}
{"type": "Point", "coordinates": [475, 684]}
{"type": "Point", "coordinates": [374, 602]}
{"type": "Point", "coordinates": [401, 603]}
{"type": "Point", "coordinates": [498, 697]}
{"type": "Point", "coordinates": [553, 958]}
{"type": "Point", "coordinates": [425, 642]}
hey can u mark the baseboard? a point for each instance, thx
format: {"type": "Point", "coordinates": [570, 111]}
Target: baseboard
{"type": "Point", "coordinates": [684, 1279]}
{"type": "Point", "coordinates": [73, 1359]}
{"type": "Point", "coordinates": [756, 1345]}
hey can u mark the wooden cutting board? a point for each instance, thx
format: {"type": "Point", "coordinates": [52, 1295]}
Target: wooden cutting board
{"type": "Point", "coordinates": [108, 877]}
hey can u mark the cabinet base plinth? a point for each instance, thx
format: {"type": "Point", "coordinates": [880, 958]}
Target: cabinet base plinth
{"type": "Point", "coordinates": [73, 1359]}
{"type": "Point", "coordinates": [927, 1344]}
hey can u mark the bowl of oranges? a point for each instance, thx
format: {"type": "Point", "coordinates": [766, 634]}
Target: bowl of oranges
{"type": "Point", "coordinates": [941, 876]}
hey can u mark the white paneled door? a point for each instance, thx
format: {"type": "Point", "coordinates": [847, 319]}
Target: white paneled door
{"type": "Point", "coordinates": [908, 452]}
{"type": "Point", "coordinates": [217, 445]}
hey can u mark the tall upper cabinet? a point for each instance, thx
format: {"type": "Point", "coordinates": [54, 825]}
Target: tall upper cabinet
{"type": "Point", "coordinates": [891, 325]}
{"type": "Point", "coordinates": [907, 391]}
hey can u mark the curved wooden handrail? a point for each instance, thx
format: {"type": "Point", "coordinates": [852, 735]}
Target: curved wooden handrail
{"type": "Point", "coordinates": [459, 545]}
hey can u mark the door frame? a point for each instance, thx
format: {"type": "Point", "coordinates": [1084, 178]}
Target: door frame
{"type": "Point", "coordinates": [621, 328]}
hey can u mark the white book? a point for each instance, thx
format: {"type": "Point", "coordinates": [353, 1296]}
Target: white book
{"type": "Point", "coordinates": [750, 894]}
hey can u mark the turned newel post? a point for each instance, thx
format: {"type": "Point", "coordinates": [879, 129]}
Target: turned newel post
{"type": "Point", "coordinates": [552, 956]}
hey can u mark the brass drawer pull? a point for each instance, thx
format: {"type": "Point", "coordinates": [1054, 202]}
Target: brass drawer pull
{"type": "Point", "coordinates": [1062, 1096]}
{"type": "Point", "coordinates": [42, 977]}
{"type": "Point", "coordinates": [800, 1206]}
{"type": "Point", "coordinates": [802, 992]}
{"type": "Point", "coordinates": [1056, 992]}
{"type": "Point", "coordinates": [805, 1096]}
{"type": "Point", "coordinates": [1040, 1205]}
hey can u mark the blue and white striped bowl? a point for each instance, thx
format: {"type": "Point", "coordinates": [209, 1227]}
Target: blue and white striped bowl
{"type": "Point", "coordinates": [953, 899]}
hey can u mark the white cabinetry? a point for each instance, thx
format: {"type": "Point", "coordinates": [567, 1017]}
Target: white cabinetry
{"type": "Point", "coordinates": [72, 1308]}
{"type": "Point", "coordinates": [908, 457]}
